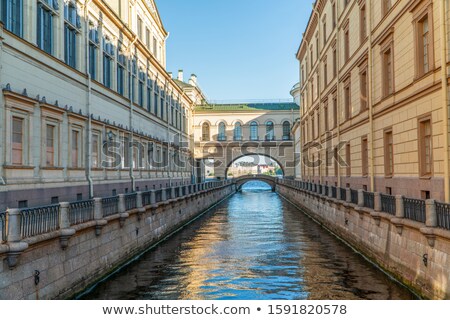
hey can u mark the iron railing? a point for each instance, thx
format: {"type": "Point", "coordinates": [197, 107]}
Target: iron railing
{"type": "Point", "coordinates": [110, 206]}
{"type": "Point", "coordinates": [81, 211]}
{"type": "Point", "coordinates": [354, 196]}
{"type": "Point", "coordinates": [158, 195]}
{"type": "Point", "coordinates": [326, 190]}
{"type": "Point", "coordinates": [3, 226]}
{"type": "Point", "coordinates": [146, 198]}
{"type": "Point", "coordinates": [369, 199]}
{"type": "Point", "coordinates": [388, 204]}
{"type": "Point", "coordinates": [414, 209]}
{"type": "Point", "coordinates": [130, 201]}
{"type": "Point", "coordinates": [443, 215]}
{"type": "Point", "coordinates": [39, 220]}
{"type": "Point", "coordinates": [343, 194]}
{"type": "Point", "coordinates": [334, 192]}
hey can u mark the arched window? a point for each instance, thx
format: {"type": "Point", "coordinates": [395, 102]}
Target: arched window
{"type": "Point", "coordinates": [270, 131]}
{"type": "Point", "coordinates": [238, 131]}
{"type": "Point", "coordinates": [254, 131]}
{"type": "Point", "coordinates": [222, 135]}
{"type": "Point", "coordinates": [286, 130]}
{"type": "Point", "coordinates": [205, 132]}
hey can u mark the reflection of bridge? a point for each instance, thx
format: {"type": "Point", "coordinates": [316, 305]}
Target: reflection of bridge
{"type": "Point", "coordinates": [270, 180]}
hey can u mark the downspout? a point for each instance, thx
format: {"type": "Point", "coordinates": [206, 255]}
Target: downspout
{"type": "Point", "coordinates": [444, 76]}
{"type": "Point", "coordinates": [88, 106]}
{"type": "Point", "coordinates": [370, 102]}
{"type": "Point", "coordinates": [131, 105]}
{"type": "Point", "coordinates": [338, 96]}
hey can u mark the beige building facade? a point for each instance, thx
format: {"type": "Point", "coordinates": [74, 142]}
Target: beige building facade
{"type": "Point", "coordinates": [374, 94]}
{"type": "Point", "coordinates": [81, 79]}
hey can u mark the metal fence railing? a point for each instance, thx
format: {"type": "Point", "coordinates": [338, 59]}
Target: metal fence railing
{"type": "Point", "coordinates": [343, 194]}
{"type": "Point", "coordinates": [369, 200]}
{"type": "Point", "coordinates": [158, 195]}
{"type": "Point", "coordinates": [146, 198]}
{"type": "Point", "coordinates": [443, 215]}
{"type": "Point", "coordinates": [3, 227]}
{"type": "Point", "coordinates": [334, 192]}
{"type": "Point", "coordinates": [81, 211]}
{"type": "Point", "coordinates": [110, 206]}
{"type": "Point", "coordinates": [414, 209]}
{"type": "Point", "coordinates": [130, 201]}
{"type": "Point", "coordinates": [388, 204]}
{"type": "Point", "coordinates": [354, 196]}
{"type": "Point", "coordinates": [39, 220]}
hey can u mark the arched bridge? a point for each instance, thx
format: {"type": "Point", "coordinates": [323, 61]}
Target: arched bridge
{"type": "Point", "coordinates": [240, 181]}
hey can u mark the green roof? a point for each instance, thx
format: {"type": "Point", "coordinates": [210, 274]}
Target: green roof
{"type": "Point", "coordinates": [281, 106]}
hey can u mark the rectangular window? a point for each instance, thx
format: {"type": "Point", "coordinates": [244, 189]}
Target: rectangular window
{"type": "Point", "coordinates": [364, 89]}
{"type": "Point", "coordinates": [388, 154]}
{"type": "Point", "coordinates": [93, 51]}
{"type": "Point", "coordinates": [363, 22]}
{"type": "Point", "coordinates": [149, 95]}
{"type": "Point", "coordinates": [17, 141]}
{"type": "Point", "coordinates": [45, 28]}
{"type": "Point", "coordinates": [333, 10]}
{"type": "Point", "coordinates": [324, 28]}
{"type": "Point", "coordinates": [95, 150]}
{"type": "Point", "coordinates": [335, 112]}
{"type": "Point", "coordinates": [425, 148]}
{"type": "Point", "coordinates": [346, 45]}
{"type": "Point", "coordinates": [325, 73]}
{"type": "Point", "coordinates": [121, 62]}
{"type": "Point", "coordinates": [75, 154]}
{"type": "Point", "coordinates": [334, 62]}
{"type": "Point", "coordinates": [365, 157]}
{"type": "Point", "coordinates": [155, 46]}
{"type": "Point", "coordinates": [12, 16]}
{"type": "Point", "coordinates": [108, 54]}
{"type": "Point", "coordinates": [388, 84]}
{"type": "Point", "coordinates": [325, 115]}
{"type": "Point", "coordinates": [139, 27]}
{"type": "Point", "coordinates": [71, 23]}
{"type": "Point", "coordinates": [347, 102]}
{"type": "Point", "coordinates": [147, 38]}
{"type": "Point", "coordinates": [423, 46]}
{"type": "Point", "coordinates": [386, 6]}
{"type": "Point", "coordinates": [348, 159]}
{"type": "Point", "coordinates": [50, 145]}
{"type": "Point", "coordinates": [141, 84]}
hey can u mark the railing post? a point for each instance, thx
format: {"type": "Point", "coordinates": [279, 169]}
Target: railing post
{"type": "Point", "coordinates": [431, 213]}
{"type": "Point", "coordinates": [15, 243]}
{"type": "Point", "coordinates": [122, 207]}
{"type": "Point", "coordinates": [377, 201]}
{"type": "Point", "coordinates": [330, 191]}
{"type": "Point", "coordinates": [98, 216]}
{"type": "Point", "coordinates": [163, 194]}
{"type": "Point", "coordinates": [348, 195]}
{"type": "Point", "coordinates": [400, 212]}
{"type": "Point", "coordinates": [338, 193]}
{"type": "Point", "coordinates": [152, 197]}
{"type": "Point", "coordinates": [139, 203]}
{"type": "Point", "coordinates": [360, 198]}
{"type": "Point", "coordinates": [64, 225]}
{"type": "Point", "coordinates": [324, 191]}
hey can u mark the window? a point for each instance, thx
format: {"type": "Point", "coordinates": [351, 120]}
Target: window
{"type": "Point", "coordinates": [335, 112]}
{"type": "Point", "coordinates": [347, 102]}
{"type": "Point", "coordinates": [254, 131]}
{"type": "Point", "coordinates": [108, 54]}
{"type": "Point", "coordinates": [141, 84]}
{"type": "Point", "coordinates": [386, 6]}
{"type": "Point", "coordinates": [95, 150]}
{"type": "Point", "coordinates": [318, 124]}
{"type": "Point", "coordinates": [388, 80]}
{"type": "Point", "coordinates": [363, 89]}
{"type": "Point", "coordinates": [206, 132]}
{"type": "Point", "coordinates": [222, 132]}
{"type": "Point", "coordinates": [156, 99]}
{"type": "Point", "coordinates": [363, 22]}
{"type": "Point", "coordinates": [71, 24]}
{"type": "Point", "coordinates": [325, 115]}
{"type": "Point", "coordinates": [324, 29]}
{"type": "Point", "coordinates": [139, 27]}
{"type": "Point", "coordinates": [348, 160]}
{"type": "Point", "coordinates": [346, 45]}
{"type": "Point", "coordinates": [318, 84]}
{"type": "Point", "coordinates": [93, 50]}
{"type": "Point", "coordinates": [388, 154]}
{"type": "Point", "coordinates": [325, 72]}
{"type": "Point", "coordinates": [12, 16]}
{"type": "Point", "coordinates": [155, 45]}
{"type": "Point", "coordinates": [424, 45]}
{"type": "Point", "coordinates": [425, 148]}
{"type": "Point", "coordinates": [317, 47]}
{"type": "Point", "coordinates": [334, 62]}
{"type": "Point", "coordinates": [75, 148]}
{"type": "Point", "coordinates": [50, 145]}
{"type": "Point", "coordinates": [147, 38]}
{"type": "Point", "coordinates": [149, 94]}
{"type": "Point", "coordinates": [333, 10]}
{"type": "Point", "coordinates": [364, 157]}
{"type": "Point", "coordinates": [121, 63]}
{"type": "Point", "coordinates": [238, 131]}
{"type": "Point", "coordinates": [17, 141]}
{"type": "Point", "coordinates": [270, 134]}
{"type": "Point", "coordinates": [313, 126]}
{"type": "Point", "coordinates": [45, 27]}
{"type": "Point", "coordinates": [286, 130]}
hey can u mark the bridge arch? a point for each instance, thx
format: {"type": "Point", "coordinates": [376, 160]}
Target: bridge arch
{"type": "Point", "coordinates": [280, 164]}
{"type": "Point", "coordinates": [271, 181]}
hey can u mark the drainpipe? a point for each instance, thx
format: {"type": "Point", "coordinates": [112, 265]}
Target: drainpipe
{"type": "Point", "coordinates": [369, 100]}
{"type": "Point", "coordinates": [88, 106]}
{"type": "Point", "coordinates": [444, 76]}
{"type": "Point", "coordinates": [131, 105]}
{"type": "Point", "coordinates": [338, 96]}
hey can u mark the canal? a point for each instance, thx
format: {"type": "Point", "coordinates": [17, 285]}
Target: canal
{"type": "Point", "coordinates": [255, 245]}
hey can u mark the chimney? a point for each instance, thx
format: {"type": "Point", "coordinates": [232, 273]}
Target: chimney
{"type": "Point", "coordinates": [180, 75]}
{"type": "Point", "coordinates": [193, 80]}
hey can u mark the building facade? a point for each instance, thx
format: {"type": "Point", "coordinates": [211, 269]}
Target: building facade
{"type": "Point", "coordinates": [374, 96]}
{"type": "Point", "coordinates": [87, 107]}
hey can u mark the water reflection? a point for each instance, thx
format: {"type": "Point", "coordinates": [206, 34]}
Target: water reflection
{"type": "Point", "coordinates": [254, 246]}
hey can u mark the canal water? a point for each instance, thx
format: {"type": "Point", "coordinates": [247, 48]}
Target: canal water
{"type": "Point", "coordinates": [255, 245]}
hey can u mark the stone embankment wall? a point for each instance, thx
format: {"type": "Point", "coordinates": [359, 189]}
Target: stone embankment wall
{"type": "Point", "coordinates": [67, 260]}
{"type": "Point", "coordinates": [416, 253]}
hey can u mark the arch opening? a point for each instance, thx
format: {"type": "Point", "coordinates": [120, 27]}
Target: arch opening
{"type": "Point", "coordinates": [254, 164]}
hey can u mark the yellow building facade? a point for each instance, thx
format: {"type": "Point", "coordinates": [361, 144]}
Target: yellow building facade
{"type": "Point", "coordinates": [374, 94]}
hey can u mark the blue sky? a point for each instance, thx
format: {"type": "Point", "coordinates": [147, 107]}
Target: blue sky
{"type": "Point", "coordinates": [239, 49]}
